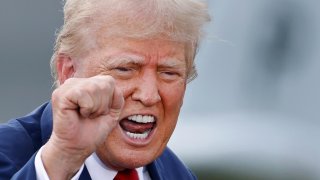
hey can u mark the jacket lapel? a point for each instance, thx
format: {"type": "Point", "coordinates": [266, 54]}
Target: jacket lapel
{"type": "Point", "coordinates": [46, 123]}
{"type": "Point", "coordinates": [155, 170]}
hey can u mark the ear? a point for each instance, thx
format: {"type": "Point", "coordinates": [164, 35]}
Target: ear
{"type": "Point", "coordinates": [65, 67]}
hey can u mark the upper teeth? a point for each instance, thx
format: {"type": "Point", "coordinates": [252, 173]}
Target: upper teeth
{"type": "Point", "coordinates": [141, 118]}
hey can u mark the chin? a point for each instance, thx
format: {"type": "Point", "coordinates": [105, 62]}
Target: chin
{"type": "Point", "coordinates": [119, 155]}
{"type": "Point", "coordinates": [130, 160]}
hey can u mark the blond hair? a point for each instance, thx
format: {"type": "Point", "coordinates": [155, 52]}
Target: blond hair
{"type": "Point", "coordinates": [177, 20]}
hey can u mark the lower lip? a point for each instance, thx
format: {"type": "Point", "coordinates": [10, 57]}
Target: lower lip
{"type": "Point", "coordinates": [136, 141]}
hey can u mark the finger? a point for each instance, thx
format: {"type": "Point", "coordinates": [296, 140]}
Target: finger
{"type": "Point", "coordinates": [117, 103]}
{"type": "Point", "coordinates": [72, 96]}
{"type": "Point", "coordinates": [111, 119]}
{"type": "Point", "coordinates": [104, 95]}
{"type": "Point", "coordinates": [117, 100]}
{"type": "Point", "coordinates": [85, 97]}
{"type": "Point", "coordinates": [86, 104]}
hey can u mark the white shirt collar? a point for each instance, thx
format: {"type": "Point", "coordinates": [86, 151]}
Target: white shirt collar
{"type": "Point", "coordinates": [99, 171]}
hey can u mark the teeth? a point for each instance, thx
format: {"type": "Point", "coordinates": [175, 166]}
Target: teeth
{"type": "Point", "coordinates": [142, 118]}
{"type": "Point", "coordinates": [138, 136]}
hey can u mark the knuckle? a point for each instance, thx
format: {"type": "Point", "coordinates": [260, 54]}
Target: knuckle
{"type": "Point", "coordinates": [108, 80]}
{"type": "Point", "coordinates": [105, 83]}
{"type": "Point", "coordinates": [69, 81]}
{"type": "Point", "coordinates": [91, 87]}
{"type": "Point", "coordinates": [111, 81]}
{"type": "Point", "coordinates": [77, 92]}
{"type": "Point", "coordinates": [55, 95]}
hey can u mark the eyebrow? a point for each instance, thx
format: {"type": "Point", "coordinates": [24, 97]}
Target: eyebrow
{"type": "Point", "coordinates": [116, 60]}
{"type": "Point", "coordinates": [172, 63]}
{"type": "Point", "coordinates": [125, 59]}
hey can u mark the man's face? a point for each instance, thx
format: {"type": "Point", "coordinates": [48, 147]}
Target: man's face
{"type": "Point", "coordinates": [152, 77]}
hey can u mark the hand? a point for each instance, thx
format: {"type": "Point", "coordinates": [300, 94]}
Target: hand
{"type": "Point", "coordinates": [85, 110]}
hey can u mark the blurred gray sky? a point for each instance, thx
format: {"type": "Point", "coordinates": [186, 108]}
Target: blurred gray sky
{"type": "Point", "coordinates": [26, 39]}
{"type": "Point", "coordinates": [257, 90]}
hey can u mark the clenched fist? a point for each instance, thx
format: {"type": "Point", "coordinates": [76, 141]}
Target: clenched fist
{"type": "Point", "coordinates": [85, 110]}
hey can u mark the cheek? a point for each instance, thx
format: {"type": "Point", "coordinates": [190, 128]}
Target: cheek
{"type": "Point", "coordinates": [173, 96]}
{"type": "Point", "coordinates": [172, 102]}
{"type": "Point", "coordinates": [126, 87]}
{"type": "Point", "coordinates": [172, 99]}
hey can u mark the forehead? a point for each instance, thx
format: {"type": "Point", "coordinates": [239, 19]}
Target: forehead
{"type": "Point", "coordinates": [145, 47]}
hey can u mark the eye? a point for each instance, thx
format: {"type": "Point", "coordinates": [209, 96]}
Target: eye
{"type": "Point", "coordinates": [123, 72]}
{"type": "Point", "coordinates": [122, 69]}
{"type": "Point", "coordinates": [169, 75]}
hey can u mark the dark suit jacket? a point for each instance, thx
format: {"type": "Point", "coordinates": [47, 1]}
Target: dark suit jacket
{"type": "Point", "coordinates": [21, 138]}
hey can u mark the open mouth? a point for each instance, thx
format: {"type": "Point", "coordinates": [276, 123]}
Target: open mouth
{"type": "Point", "coordinates": [138, 126]}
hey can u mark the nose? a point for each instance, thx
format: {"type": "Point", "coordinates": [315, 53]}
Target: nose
{"type": "Point", "coordinates": [147, 91]}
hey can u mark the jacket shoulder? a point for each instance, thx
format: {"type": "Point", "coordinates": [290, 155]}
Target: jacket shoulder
{"type": "Point", "coordinates": [19, 139]}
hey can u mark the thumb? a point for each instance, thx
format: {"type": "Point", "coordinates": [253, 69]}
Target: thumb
{"type": "Point", "coordinates": [117, 103]}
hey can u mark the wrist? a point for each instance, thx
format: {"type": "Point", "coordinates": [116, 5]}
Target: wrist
{"type": "Point", "coordinates": [61, 162]}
